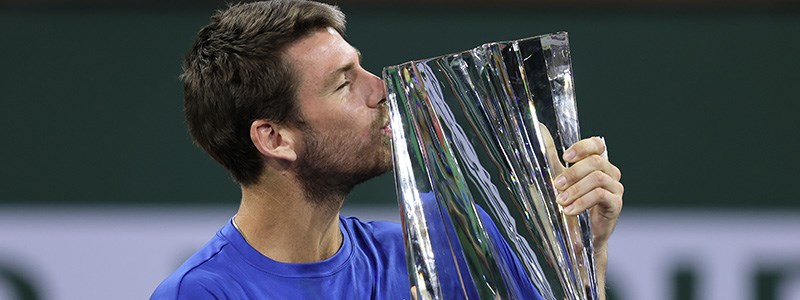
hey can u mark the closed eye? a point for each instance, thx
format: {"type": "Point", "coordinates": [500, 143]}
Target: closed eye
{"type": "Point", "coordinates": [343, 85]}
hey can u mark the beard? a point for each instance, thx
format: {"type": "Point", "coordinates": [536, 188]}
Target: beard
{"type": "Point", "coordinates": [336, 161]}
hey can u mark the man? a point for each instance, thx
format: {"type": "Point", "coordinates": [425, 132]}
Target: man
{"type": "Point", "coordinates": [277, 96]}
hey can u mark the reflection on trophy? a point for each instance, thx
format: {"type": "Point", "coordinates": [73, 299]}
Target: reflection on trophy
{"type": "Point", "coordinates": [477, 141]}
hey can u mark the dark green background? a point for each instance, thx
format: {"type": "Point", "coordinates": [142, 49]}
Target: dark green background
{"type": "Point", "coordinates": [699, 107]}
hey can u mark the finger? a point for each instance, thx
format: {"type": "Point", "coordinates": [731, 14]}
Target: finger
{"type": "Point", "coordinates": [583, 168]}
{"type": "Point", "coordinates": [550, 150]}
{"type": "Point", "coordinates": [605, 146]}
{"type": "Point", "coordinates": [590, 182]}
{"type": "Point", "coordinates": [606, 203]}
{"type": "Point", "coordinates": [585, 148]}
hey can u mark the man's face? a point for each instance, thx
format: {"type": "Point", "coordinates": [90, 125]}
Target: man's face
{"type": "Point", "coordinates": [346, 134]}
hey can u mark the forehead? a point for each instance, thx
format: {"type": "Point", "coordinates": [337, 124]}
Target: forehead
{"type": "Point", "coordinates": [319, 54]}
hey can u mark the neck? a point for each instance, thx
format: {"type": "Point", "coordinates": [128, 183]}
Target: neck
{"type": "Point", "coordinates": [279, 221]}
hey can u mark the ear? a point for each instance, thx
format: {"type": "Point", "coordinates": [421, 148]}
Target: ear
{"type": "Point", "coordinates": [273, 140]}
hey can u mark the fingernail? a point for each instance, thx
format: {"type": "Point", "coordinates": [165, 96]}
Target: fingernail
{"type": "Point", "coordinates": [569, 155]}
{"type": "Point", "coordinates": [563, 197]}
{"type": "Point", "coordinates": [561, 182]}
{"type": "Point", "coordinates": [569, 209]}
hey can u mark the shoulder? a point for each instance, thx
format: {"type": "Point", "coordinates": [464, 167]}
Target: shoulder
{"type": "Point", "coordinates": [379, 255]}
{"type": "Point", "coordinates": [195, 278]}
{"type": "Point", "coordinates": [386, 236]}
{"type": "Point", "coordinates": [193, 285]}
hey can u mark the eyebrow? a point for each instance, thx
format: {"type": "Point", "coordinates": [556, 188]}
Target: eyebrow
{"type": "Point", "coordinates": [331, 78]}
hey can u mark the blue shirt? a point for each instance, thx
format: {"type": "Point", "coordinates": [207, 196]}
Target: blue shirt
{"type": "Point", "coordinates": [370, 264]}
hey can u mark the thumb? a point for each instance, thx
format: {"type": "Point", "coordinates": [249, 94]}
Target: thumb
{"type": "Point", "coordinates": [551, 152]}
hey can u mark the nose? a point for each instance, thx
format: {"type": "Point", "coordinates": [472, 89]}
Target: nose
{"type": "Point", "coordinates": [377, 95]}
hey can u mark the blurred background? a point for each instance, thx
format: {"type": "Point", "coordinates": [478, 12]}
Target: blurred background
{"type": "Point", "coordinates": [102, 194]}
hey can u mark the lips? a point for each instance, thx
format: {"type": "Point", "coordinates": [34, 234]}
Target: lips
{"type": "Point", "coordinates": [387, 128]}
{"type": "Point", "coordinates": [383, 114]}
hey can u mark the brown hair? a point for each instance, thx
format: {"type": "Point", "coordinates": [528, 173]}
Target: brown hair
{"type": "Point", "coordinates": [235, 74]}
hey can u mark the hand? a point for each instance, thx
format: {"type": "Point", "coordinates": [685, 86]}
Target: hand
{"type": "Point", "coordinates": [592, 183]}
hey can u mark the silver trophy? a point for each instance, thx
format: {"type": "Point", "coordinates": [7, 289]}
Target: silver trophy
{"type": "Point", "coordinates": [477, 141]}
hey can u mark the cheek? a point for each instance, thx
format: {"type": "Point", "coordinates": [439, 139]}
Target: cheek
{"type": "Point", "coordinates": [359, 119]}
{"type": "Point", "coordinates": [351, 126]}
